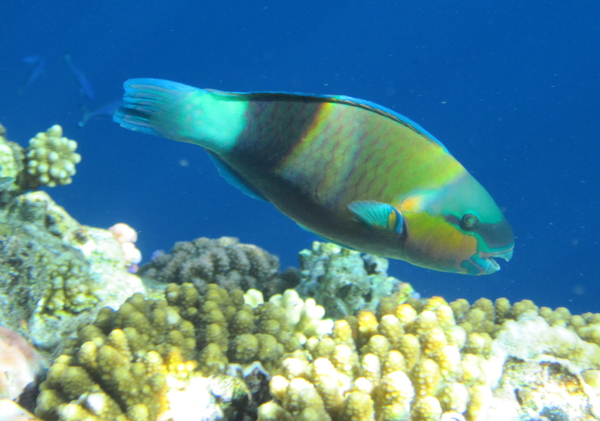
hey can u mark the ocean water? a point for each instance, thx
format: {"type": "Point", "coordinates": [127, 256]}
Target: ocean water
{"type": "Point", "coordinates": [511, 88]}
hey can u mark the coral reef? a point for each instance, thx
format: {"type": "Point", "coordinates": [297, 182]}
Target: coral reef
{"type": "Point", "coordinates": [420, 360]}
{"type": "Point", "coordinates": [49, 161]}
{"type": "Point", "coordinates": [207, 350]}
{"type": "Point", "coordinates": [305, 317]}
{"type": "Point", "coordinates": [120, 364]}
{"type": "Point", "coordinates": [127, 236]}
{"type": "Point", "coordinates": [344, 281]}
{"type": "Point", "coordinates": [150, 356]}
{"type": "Point", "coordinates": [224, 261]}
{"type": "Point", "coordinates": [54, 272]}
{"type": "Point", "coordinates": [434, 361]}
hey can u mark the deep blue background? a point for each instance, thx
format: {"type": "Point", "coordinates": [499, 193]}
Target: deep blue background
{"type": "Point", "coordinates": [512, 89]}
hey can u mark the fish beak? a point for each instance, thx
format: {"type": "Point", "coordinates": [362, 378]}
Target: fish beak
{"type": "Point", "coordinates": [483, 263]}
{"type": "Point", "coordinates": [492, 265]}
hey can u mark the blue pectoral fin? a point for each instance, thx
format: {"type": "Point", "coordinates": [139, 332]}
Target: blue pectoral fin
{"type": "Point", "coordinates": [378, 215]}
{"type": "Point", "coordinates": [232, 178]}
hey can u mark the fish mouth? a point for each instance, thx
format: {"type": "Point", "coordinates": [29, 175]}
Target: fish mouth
{"type": "Point", "coordinates": [484, 263]}
{"type": "Point", "coordinates": [492, 265]}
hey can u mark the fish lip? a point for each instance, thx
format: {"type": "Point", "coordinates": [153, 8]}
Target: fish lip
{"type": "Point", "coordinates": [505, 254]}
{"type": "Point", "coordinates": [494, 266]}
{"type": "Point", "coordinates": [489, 257]}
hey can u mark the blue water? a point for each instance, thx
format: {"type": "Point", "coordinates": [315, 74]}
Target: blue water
{"type": "Point", "coordinates": [512, 88]}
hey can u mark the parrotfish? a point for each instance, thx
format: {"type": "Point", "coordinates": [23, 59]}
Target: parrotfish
{"type": "Point", "coordinates": [351, 171]}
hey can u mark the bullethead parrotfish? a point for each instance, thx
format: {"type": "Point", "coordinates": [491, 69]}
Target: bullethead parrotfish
{"type": "Point", "coordinates": [351, 171]}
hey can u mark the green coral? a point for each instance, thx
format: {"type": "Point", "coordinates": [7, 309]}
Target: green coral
{"type": "Point", "coordinates": [234, 331]}
{"type": "Point", "coordinates": [119, 365]}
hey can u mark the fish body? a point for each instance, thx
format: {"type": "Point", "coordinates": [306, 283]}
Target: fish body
{"type": "Point", "coordinates": [84, 85]}
{"type": "Point", "coordinates": [37, 63]}
{"type": "Point", "coordinates": [351, 171]}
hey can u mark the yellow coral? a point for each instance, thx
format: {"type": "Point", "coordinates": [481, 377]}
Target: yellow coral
{"type": "Point", "coordinates": [420, 361]}
{"type": "Point", "coordinates": [427, 408]}
{"type": "Point", "coordinates": [51, 158]}
{"type": "Point", "coordinates": [358, 406]}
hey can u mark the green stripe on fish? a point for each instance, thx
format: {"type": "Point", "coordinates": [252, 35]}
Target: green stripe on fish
{"type": "Point", "coordinates": [346, 169]}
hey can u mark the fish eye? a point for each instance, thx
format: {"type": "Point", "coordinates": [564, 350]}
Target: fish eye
{"type": "Point", "coordinates": [469, 222]}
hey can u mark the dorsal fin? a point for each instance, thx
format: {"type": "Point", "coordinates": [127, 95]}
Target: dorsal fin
{"type": "Point", "coordinates": [339, 99]}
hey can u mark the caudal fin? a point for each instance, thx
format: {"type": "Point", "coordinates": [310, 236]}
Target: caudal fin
{"type": "Point", "coordinates": [151, 106]}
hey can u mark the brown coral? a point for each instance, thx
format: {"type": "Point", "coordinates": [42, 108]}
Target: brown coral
{"type": "Point", "coordinates": [224, 261]}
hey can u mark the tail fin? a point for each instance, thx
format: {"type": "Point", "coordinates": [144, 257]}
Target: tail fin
{"type": "Point", "coordinates": [211, 119]}
{"type": "Point", "coordinates": [150, 106]}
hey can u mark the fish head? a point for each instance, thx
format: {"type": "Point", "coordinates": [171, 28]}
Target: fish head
{"type": "Point", "coordinates": [457, 228]}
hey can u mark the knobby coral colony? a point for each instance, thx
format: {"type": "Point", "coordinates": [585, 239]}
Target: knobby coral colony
{"type": "Point", "coordinates": [418, 360]}
{"type": "Point", "coordinates": [224, 261]}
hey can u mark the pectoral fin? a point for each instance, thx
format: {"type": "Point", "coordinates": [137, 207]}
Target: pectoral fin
{"type": "Point", "coordinates": [378, 215]}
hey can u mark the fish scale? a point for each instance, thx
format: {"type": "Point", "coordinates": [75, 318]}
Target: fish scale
{"type": "Point", "coordinates": [349, 170]}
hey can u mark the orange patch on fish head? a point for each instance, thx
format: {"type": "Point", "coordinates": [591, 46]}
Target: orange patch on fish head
{"type": "Point", "coordinates": [433, 243]}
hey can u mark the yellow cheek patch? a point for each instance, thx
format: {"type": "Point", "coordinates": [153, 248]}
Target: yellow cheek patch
{"type": "Point", "coordinates": [433, 242]}
{"type": "Point", "coordinates": [412, 205]}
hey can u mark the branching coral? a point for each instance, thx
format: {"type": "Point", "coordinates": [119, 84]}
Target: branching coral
{"type": "Point", "coordinates": [133, 364]}
{"type": "Point", "coordinates": [421, 360]}
{"type": "Point", "coordinates": [224, 261]}
{"type": "Point", "coordinates": [150, 354]}
{"type": "Point", "coordinates": [424, 361]}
